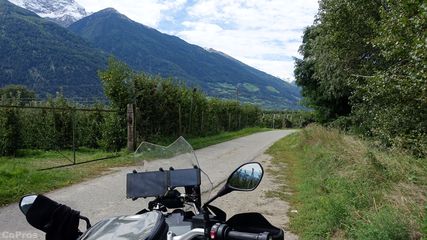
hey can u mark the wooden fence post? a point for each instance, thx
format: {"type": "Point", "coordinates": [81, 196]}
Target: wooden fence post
{"type": "Point", "coordinates": [179, 120]}
{"type": "Point", "coordinates": [131, 127]}
{"type": "Point", "coordinates": [201, 122]}
{"type": "Point", "coordinates": [274, 116]}
{"type": "Point", "coordinates": [283, 121]}
{"type": "Point", "coordinates": [73, 119]}
{"type": "Point", "coordinates": [229, 121]}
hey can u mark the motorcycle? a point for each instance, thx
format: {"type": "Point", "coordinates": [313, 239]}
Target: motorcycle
{"type": "Point", "coordinates": [172, 177]}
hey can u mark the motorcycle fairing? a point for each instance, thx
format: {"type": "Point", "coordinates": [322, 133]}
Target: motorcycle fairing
{"type": "Point", "coordinates": [147, 226]}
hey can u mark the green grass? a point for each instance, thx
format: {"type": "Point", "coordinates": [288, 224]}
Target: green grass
{"type": "Point", "coordinates": [272, 89]}
{"type": "Point", "coordinates": [343, 188]}
{"type": "Point", "coordinates": [227, 86]}
{"type": "Point", "coordinates": [19, 175]}
{"type": "Point", "coordinates": [250, 87]}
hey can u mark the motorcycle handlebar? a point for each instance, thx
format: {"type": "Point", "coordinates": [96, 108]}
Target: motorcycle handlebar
{"type": "Point", "coordinates": [235, 235]}
{"type": "Point", "coordinates": [223, 232]}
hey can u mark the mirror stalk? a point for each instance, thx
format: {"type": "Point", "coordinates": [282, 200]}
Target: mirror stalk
{"type": "Point", "coordinates": [224, 190]}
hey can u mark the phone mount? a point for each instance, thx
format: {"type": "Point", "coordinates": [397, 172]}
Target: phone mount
{"type": "Point", "coordinates": [158, 183]}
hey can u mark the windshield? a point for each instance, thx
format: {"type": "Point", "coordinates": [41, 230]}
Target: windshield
{"type": "Point", "coordinates": [178, 155]}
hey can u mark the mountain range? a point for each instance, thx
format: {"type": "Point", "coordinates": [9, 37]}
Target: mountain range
{"type": "Point", "coordinates": [63, 12]}
{"type": "Point", "coordinates": [48, 57]}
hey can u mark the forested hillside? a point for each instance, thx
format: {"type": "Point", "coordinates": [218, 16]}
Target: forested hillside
{"type": "Point", "coordinates": [364, 68]}
{"type": "Point", "coordinates": [146, 49]}
{"type": "Point", "coordinates": [44, 56]}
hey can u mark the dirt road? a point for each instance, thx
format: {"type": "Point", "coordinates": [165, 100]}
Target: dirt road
{"type": "Point", "coordinates": [105, 196]}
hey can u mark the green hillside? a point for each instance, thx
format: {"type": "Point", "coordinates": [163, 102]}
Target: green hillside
{"type": "Point", "coordinates": [144, 48]}
{"type": "Point", "coordinates": [44, 56]}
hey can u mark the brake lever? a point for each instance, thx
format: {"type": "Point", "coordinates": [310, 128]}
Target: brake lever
{"type": "Point", "coordinates": [88, 225]}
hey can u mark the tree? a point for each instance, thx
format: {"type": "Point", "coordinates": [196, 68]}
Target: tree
{"type": "Point", "coordinates": [118, 84]}
{"type": "Point", "coordinates": [366, 61]}
{"type": "Point", "coordinates": [393, 102]}
{"type": "Point", "coordinates": [17, 94]}
{"type": "Point", "coordinates": [336, 52]}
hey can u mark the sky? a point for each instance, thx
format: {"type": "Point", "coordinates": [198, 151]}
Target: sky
{"type": "Point", "coordinates": [264, 34]}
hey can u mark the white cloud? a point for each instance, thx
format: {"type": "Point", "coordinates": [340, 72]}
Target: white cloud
{"type": "Point", "coordinates": [244, 43]}
{"type": "Point", "coordinates": [204, 27]}
{"type": "Point", "coordinates": [258, 14]}
{"type": "Point", "coordinates": [272, 67]}
{"type": "Point", "coordinates": [257, 30]}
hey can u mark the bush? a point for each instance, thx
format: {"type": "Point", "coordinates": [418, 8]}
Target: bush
{"type": "Point", "coordinates": [113, 133]}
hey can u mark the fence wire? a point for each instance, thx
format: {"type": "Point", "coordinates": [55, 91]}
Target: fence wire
{"type": "Point", "coordinates": [70, 131]}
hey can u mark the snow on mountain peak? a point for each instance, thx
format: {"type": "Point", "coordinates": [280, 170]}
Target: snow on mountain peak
{"type": "Point", "coordinates": [63, 12]}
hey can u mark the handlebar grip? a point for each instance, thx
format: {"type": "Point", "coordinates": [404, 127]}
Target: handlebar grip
{"type": "Point", "coordinates": [236, 235]}
{"type": "Point", "coordinates": [224, 232]}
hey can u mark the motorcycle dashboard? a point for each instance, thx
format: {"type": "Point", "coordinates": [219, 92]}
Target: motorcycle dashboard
{"type": "Point", "coordinates": [157, 183]}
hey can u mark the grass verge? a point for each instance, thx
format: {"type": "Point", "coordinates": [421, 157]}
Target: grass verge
{"type": "Point", "coordinates": [19, 175]}
{"type": "Point", "coordinates": [343, 188]}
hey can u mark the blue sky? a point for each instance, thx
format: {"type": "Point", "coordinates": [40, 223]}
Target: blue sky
{"type": "Point", "coordinates": [265, 34]}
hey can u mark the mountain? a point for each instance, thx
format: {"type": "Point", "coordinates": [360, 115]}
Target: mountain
{"type": "Point", "coordinates": [63, 12]}
{"type": "Point", "coordinates": [45, 56]}
{"type": "Point", "coordinates": [146, 49]}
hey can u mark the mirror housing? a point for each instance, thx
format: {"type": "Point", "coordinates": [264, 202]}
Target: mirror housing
{"type": "Point", "coordinates": [247, 177]}
{"type": "Point", "coordinates": [26, 202]}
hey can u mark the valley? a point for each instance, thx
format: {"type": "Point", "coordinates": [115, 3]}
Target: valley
{"type": "Point", "coordinates": [56, 59]}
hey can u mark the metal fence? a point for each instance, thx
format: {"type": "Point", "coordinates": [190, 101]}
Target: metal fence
{"type": "Point", "coordinates": [60, 129]}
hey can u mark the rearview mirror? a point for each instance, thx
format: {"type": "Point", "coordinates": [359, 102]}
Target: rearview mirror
{"type": "Point", "coordinates": [246, 178]}
{"type": "Point", "coordinates": [26, 203]}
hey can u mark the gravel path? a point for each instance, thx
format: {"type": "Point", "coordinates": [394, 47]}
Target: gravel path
{"type": "Point", "coordinates": [105, 196]}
